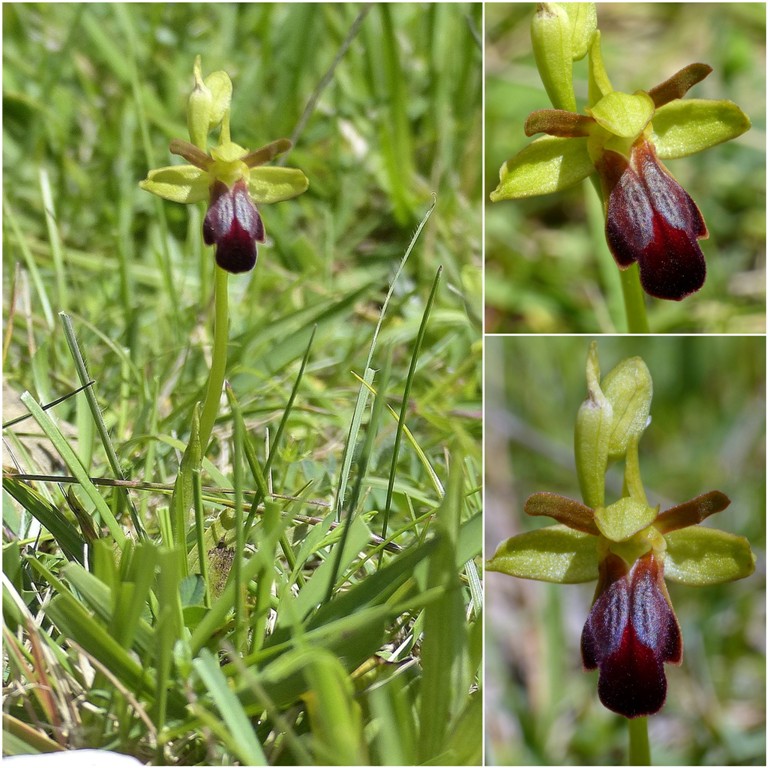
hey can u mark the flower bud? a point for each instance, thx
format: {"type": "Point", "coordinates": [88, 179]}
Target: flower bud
{"type": "Point", "coordinates": [199, 108]}
{"type": "Point", "coordinates": [208, 104]}
{"type": "Point", "coordinates": [592, 436]}
{"type": "Point", "coordinates": [552, 40]}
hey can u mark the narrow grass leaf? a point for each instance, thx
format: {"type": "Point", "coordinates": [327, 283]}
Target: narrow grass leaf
{"type": "Point", "coordinates": [167, 626]}
{"type": "Point", "coordinates": [114, 462]}
{"type": "Point", "coordinates": [444, 626]}
{"type": "Point", "coordinates": [67, 536]}
{"type": "Point", "coordinates": [465, 745]}
{"type": "Point", "coordinates": [250, 454]}
{"type": "Point", "coordinates": [405, 403]}
{"type": "Point", "coordinates": [75, 467]}
{"type": "Point", "coordinates": [95, 594]}
{"type": "Point", "coordinates": [316, 589]}
{"type": "Point", "coordinates": [54, 238]}
{"type": "Point", "coordinates": [237, 478]}
{"type": "Point", "coordinates": [183, 490]}
{"type": "Point", "coordinates": [392, 708]}
{"type": "Point", "coordinates": [334, 715]}
{"type": "Point", "coordinates": [75, 623]}
{"type": "Point", "coordinates": [243, 739]}
{"type": "Point", "coordinates": [30, 262]}
{"type": "Point", "coordinates": [19, 738]}
{"type": "Point", "coordinates": [133, 591]}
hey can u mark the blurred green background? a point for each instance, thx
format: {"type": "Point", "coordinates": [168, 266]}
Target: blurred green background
{"type": "Point", "coordinates": [547, 267]}
{"type": "Point", "coordinates": [707, 432]}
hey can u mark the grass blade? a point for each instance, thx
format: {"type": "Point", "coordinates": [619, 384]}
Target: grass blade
{"type": "Point", "coordinates": [444, 628]}
{"type": "Point", "coordinates": [75, 467]}
{"type": "Point", "coordinates": [242, 739]}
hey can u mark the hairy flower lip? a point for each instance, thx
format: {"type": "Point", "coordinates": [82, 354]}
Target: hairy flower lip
{"type": "Point", "coordinates": [234, 225]}
{"type": "Point", "coordinates": [652, 220]}
{"type": "Point", "coordinates": [630, 633]}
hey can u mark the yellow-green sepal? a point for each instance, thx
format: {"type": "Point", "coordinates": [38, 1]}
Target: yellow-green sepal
{"type": "Point", "coordinates": [549, 164]}
{"type": "Point", "coordinates": [629, 389]}
{"type": "Point", "coordinates": [684, 127]}
{"type": "Point", "coordinates": [701, 556]}
{"type": "Point", "coordinates": [555, 553]}
{"type": "Point", "coordinates": [583, 21]}
{"type": "Point", "coordinates": [271, 184]}
{"type": "Point", "coordinates": [178, 183]}
{"type": "Point", "coordinates": [552, 40]}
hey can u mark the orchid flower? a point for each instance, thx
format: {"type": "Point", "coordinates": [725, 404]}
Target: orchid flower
{"type": "Point", "coordinates": [231, 178]}
{"type": "Point", "coordinates": [628, 545]}
{"type": "Point", "coordinates": [623, 139]}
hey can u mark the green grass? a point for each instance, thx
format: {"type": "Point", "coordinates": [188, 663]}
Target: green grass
{"type": "Point", "coordinates": [707, 432]}
{"type": "Point", "coordinates": [293, 639]}
{"type": "Point", "coordinates": [548, 269]}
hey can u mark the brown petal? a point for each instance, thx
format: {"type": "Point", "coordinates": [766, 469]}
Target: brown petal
{"type": "Point", "coordinates": [558, 122]}
{"type": "Point", "coordinates": [691, 512]}
{"type": "Point", "coordinates": [572, 513]}
{"type": "Point", "coordinates": [678, 85]}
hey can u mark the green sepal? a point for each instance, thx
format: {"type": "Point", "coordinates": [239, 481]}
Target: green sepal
{"type": "Point", "coordinates": [700, 556]}
{"type": "Point", "coordinates": [684, 127]}
{"type": "Point", "coordinates": [220, 86]}
{"type": "Point", "coordinates": [549, 164]}
{"type": "Point", "coordinates": [271, 184]}
{"type": "Point", "coordinates": [178, 183]}
{"type": "Point", "coordinates": [623, 114]}
{"type": "Point", "coordinates": [624, 518]}
{"type": "Point", "coordinates": [599, 84]}
{"type": "Point", "coordinates": [551, 37]}
{"type": "Point", "coordinates": [572, 513]}
{"type": "Point", "coordinates": [629, 390]}
{"type": "Point", "coordinates": [555, 553]}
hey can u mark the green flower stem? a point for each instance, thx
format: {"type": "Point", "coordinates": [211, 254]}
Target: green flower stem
{"type": "Point", "coordinates": [639, 748]}
{"type": "Point", "coordinates": [634, 300]}
{"type": "Point", "coordinates": [219, 359]}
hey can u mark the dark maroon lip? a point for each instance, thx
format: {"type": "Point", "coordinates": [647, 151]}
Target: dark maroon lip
{"type": "Point", "coordinates": [234, 225]}
{"type": "Point", "coordinates": [631, 632]}
{"type": "Point", "coordinates": [652, 220]}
